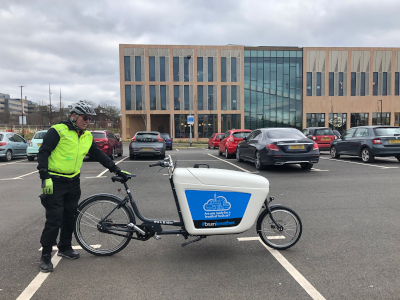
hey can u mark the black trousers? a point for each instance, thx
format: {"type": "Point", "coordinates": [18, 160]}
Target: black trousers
{"type": "Point", "coordinates": [60, 212]}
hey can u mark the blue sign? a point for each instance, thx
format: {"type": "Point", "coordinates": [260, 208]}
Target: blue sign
{"type": "Point", "coordinates": [190, 120]}
{"type": "Point", "coordinates": [213, 209]}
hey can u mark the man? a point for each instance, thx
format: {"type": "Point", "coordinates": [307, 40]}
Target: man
{"type": "Point", "coordinates": [60, 158]}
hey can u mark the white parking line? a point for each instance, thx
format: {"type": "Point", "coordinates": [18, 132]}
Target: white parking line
{"type": "Point", "coordinates": [101, 174]}
{"type": "Point", "coordinates": [20, 177]}
{"type": "Point", "coordinates": [289, 267]}
{"type": "Point", "coordinates": [244, 170]}
{"type": "Point", "coordinates": [359, 163]}
{"type": "Point", "coordinates": [15, 162]}
{"type": "Point", "coordinates": [318, 170]}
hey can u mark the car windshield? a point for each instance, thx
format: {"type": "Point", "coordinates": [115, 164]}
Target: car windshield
{"type": "Point", "coordinates": [39, 135]}
{"type": "Point", "coordinates": [165, 136]}
{"type": "Point", "coordinates": [98, 135]}
{"type": "Point", "coordinates": [240, 135]}
{"type": "Point", "coordinates": [285, 134]}
{"type": "Point", "coordinates": [220, 136]}
{"type": "Point", "coordinates": [387, 131]}
{"type": "Point", "coordinates": [324, 131]}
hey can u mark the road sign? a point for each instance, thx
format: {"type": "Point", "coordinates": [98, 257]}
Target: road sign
{"type": "Point", "coordinates": [190, 120]}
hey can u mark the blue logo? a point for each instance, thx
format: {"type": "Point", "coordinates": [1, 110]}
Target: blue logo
{"type": "Point", "coordinates": [217, 204]}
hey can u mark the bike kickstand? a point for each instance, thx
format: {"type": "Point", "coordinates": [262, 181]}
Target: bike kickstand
{"type": "Point", "coordinates": [196, 240]}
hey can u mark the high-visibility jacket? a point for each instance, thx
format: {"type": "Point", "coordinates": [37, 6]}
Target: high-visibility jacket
{"type": "Point", "coordinates": [67, 158]}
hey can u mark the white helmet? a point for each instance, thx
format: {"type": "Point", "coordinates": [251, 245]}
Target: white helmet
{"type": "Point", "coordinates": [82, 108]}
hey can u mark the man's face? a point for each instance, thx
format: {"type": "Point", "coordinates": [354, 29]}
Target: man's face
{"type": "Point", "coordinates": [81, 121]}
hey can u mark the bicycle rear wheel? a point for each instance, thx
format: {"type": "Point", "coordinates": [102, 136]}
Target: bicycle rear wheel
{"type": "Point", "coordinates": [271, 235]}
{"type": "Point", "coordinates": [87, 231]}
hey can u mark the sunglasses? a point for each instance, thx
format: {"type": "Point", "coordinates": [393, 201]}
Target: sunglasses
{"type": "Point", "coordinates": [86, 118]}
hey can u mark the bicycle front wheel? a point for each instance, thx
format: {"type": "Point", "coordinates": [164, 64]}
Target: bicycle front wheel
{"type": "Point", "coordinates": [271, 235]}
{"type": "Point", "coordinates": [96, 240]}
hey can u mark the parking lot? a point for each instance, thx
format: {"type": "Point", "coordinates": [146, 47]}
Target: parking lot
{"type": "Point", "coordinates": [348, 249]}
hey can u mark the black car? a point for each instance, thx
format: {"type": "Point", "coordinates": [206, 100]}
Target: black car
{"type": "Point", "coordinates": [147, 143]}
{"type": "Point", "coordinates": [368, 142]}
{"type": "Point", "coordinates": [278, 146]}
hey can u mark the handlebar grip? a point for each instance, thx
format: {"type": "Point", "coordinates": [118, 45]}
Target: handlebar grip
{"type": "Point", "coordinates": [156, 164]}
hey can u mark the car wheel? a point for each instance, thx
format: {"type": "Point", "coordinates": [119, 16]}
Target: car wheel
{"type": "Point", "coordinates": [213, 146]}
{"type": "Point", "coordinates": [219, 152]}
{"type": "Point", "coordinates": [112, 156]}
{"type": "Point", "coordinates": [306, 166]}
{"type": "Point", "coordinates": [132, 156]}
{"type": "Point", "coordinates": [257, 161]}
{"type": "Point", "coordinates": [121, 152]}
{"type": "Point", "coordinates": [170, 148]}
{"type": "Point", "coordinates": [238, 156]}
{"type": "Point", "coordinates": [31, 158]}
{"type": "Point", "coordinates": [162, 156]}
{"type": "Point", "coordinates": [398, 158]}
{"type": "Point", "coordinates": [366, 155]}
{"type": "Point", "coordinates": [8, 156]}
{"type": "Point", "coordinates": [209, 146]}
{"type": "Point", "coordinates": [227, 155]}
{"type": "Point", "coordinates": [334, 152]}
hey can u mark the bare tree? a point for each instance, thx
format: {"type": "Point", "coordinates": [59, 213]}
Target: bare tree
{"type": "Point", "coordinates": [144, 119]}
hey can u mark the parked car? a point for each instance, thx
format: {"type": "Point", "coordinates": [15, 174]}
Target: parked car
{"type": "Point", "coordinates": [214, 140]}
{"type": "Point", "coordinates": [323, 136]}
{"type": "Point", "coordinates": [278, 146]}
{"type": "Point", "coordinates": [230, 140]}
{"type": "Point", "coordinates": [108, 143]}
{"type": "Point", "coordinates": [368, 142]}
{"type": "Point", "coordinates": [33, 147]}
{"type": "Point", "coordinates": [147, 143]}
{"type": "Point", "coordinates": [337, 133]}
{"type": "Point", "coordinates": [12, 145]}
{"type": "Point", "coordinates": [168, 140]}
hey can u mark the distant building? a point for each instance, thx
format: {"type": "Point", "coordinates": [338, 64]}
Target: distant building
{"type": "Point", "coordinates": [14, 105]}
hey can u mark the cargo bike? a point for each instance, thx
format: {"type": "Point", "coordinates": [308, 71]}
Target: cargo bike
{"type": "Point", "coordinates": [209, 202]}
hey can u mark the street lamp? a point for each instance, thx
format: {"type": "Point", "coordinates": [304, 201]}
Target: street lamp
{"type": "Point", "coordinates": [381, 111]}
{"type": "Point", "coordinates": [190, 104]}
{"type": "Point", "coordinates": [22, 111]}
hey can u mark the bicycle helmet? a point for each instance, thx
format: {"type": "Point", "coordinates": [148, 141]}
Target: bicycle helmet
{"type": "Point", "coordinates": [82, 108]}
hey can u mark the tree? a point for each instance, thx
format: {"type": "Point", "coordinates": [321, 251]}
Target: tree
{"type": "Point", "coordinates": [111, 109]}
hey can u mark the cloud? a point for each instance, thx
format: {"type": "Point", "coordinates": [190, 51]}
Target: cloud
{"type": "Point", "coordinates": [74, 44]}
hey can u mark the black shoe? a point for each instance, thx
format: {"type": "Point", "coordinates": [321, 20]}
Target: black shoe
{"type": "Point", "coordinates": [45, 263]}
{"type": "Point", "coordinates": [70, 254]}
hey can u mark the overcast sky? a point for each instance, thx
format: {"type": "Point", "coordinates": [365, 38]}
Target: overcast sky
{"type": "Point", "coordinates": [73, 45]}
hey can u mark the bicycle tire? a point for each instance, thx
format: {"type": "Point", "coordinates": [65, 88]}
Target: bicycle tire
{"type": "Point", "coordinates": [271, 236]}
{"type": "Point", "coordinates": [90, 237]}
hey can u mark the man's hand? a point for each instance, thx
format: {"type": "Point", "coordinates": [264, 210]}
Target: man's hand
{"type": "Point", "coordinates": [123, 174]}
{"type": "Point", "coordinates": [47, 186]}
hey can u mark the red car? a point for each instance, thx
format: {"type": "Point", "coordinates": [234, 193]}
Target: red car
{"type": "Point", "coordinates": [230, 141]}
{"type": "Point", "coordinates": [323, 136]}
{"type": "Point", "coordinates": [108, 142]}
{"type": "Point", "coordinates": [214, 140]}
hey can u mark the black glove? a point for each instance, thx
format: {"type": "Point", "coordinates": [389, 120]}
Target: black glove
{"type": "Point", "coordinates": [123, 174]}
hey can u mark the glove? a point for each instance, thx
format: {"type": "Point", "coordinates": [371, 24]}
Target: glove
{"type": "Point", "coordinates": [123, 174]}
{"type": "Point", "coordinates": [47, 186]}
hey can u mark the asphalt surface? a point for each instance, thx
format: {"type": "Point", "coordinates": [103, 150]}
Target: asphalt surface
{"type": "Point", "coordinates": [348, 249]}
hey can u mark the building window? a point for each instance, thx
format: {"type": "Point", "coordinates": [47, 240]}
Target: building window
{"type": "Point", "coordinates": [338, 122]}
{"type": "Point", "coordinates": [210, 97]}
{"type": "Point", "coordinates": [186, 68]}
{"type": "Point", "coordinates": [340, 87]}
{"type": "Point", "coordinates": [396, 84]}
{"type": "Point", "coordinates": [233, 69]}
{"type": "Point", "coordinates": [318, 83]}
{"type": "Point", "coordinates": [200, 69]}
{"type": "Point", "coordinates": [375, 84]}
{"type": "Point", "coordinates": [138, 68]}
{"type": "Point", "coordinates": [359, 119]}
{"type": "Point", "coordinates": [223, 69]}
{"type": "Point", "coordinates": [207, 125]}
{"type": "Point", "coordinates": [177, 105]}
{"type": "Point", "coordinates": [163, 97]}
{"type": "Point", "coordinates": [152, 97]}
{"type": "Point", "coordinates": [127, 66]}
{"type": "Point", "coordinates": [128, 98]}
{"type": "Point", "coordinates": [176, 68]}
{"type": "Point", "coordinates": [182, 129]}
{"type": "Point", "coordinates": [152, 68]}
{"type": "Point", "coordinates": [162, 68]}
{"type": "Point", "coordinates": [200, 96]}
{"type": "Point", "coordinates": [230, 122]}
{"type": "Point", "coordinates": [210, 69]}
{"type": "Point", "coordinates": [353, 83]}
{"type": "Point", "coordinates": [223, 97]}
{"type": "Point", "coordinates": [331, 84]}
{"type": "Point", "coordinates": [233, 97]}
{"type": "Point", "coordinates": [362, 84]}
{"type": "Point", "coordinates": [384, 84]}
{"type": "Point", "coordinates": [315, 120]}
{"type": "Point", "coordinates": [377, 120]}
{"type": "Point", "coordinates": [186, 97]}
{"type": "Point", "coordinates": [309, 84]}
{"type": "Point", "coordinates": [138, 97]}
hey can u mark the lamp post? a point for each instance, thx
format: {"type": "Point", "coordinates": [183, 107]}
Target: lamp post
{"type": "Point", "coordinates": [381, 111]}
{"type": "Point", "coordinates": [22, 111]}
{"type": "Point", "coordinates": [190, 104]}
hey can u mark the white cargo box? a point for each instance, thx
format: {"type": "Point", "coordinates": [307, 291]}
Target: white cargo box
{"type": "Point", "coordinates": [217, 201]}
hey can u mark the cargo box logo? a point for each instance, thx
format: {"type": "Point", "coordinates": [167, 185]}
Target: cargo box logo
{"type": "Point", "coordinates": [216, 204]}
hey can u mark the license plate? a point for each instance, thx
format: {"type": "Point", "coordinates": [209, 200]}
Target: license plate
{"type": "Point", "coordinates": [325, 139]}
{"type": "Point", "coordinates": [293, 147]}
{"type": "Point", "coordinates": [147, 149]}
{"type": "Point", "coordinates": [394, 141]}
{"type": "Point", "coordinates": [40, 144]}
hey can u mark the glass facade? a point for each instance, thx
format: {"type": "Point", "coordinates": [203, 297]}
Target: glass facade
{"type": "Point", "coordinates": [128, 98]}
{"type": "Point", "coordinates": [152, 68]}
{"type": "Point", "coordinates": [359, 119]}
{"type": "Point", "coordinates": [315, 120]}
{"type": "Point", "coordinates": [186, 68]}
{"type": "Point", "coordinates": [233, 69]}
{"type": "Point", "coordinates": [162, 68]}
{"type": "Point", "coordinates": [233, 97]}
{"type": "Point", "coordinates": [200, 97]}
{"type": "Point", "coordinates": [200, 69]}
{"type": "Point", "coordinates": [186, 97]}
{"type": "Point", "coordinates": [340, 87]}
{"type": "Point", "coordinates": [396, 84]}
{"type": "Point", "coordinates": [309, 83]}
{"type": "Point", "coordinates": [138, 68]}
{"type": "Point", "coordinates": [176, 68]}
{"type": "Point", "coordinates": [207, 125]}
{"type": "Point", "coordinates": [353, 83]}
{"type": "Point", "coordinates": [273, 89]}
{"type": "Point", "coordinates": [210, 97]}
{"type": "Point", "coordinates": [163, 97]}
{"type": "Point", "coordinates": [223, 97]}
{"type": "Point", "coordinates": [152, 97]}
{"type": "Point", "coordinates": [176, 98]}
{"type": "Point", "coordinates": [318, 83]}
{"type": "Point", "coordinates": [375, 84]}
{"type": "Point", "coordinates": [338, 121]}
{"type": "Point", "coordinates": [223, 69]}
{"type": "Point", "coordinates": [362, 84]}
{"type": "Point", "coordinates": [182, 130]}
{"type": "Point", "coordinates": [377, 120]}
{"type": "Point", "coordinates": [384, 84]}
{"type": "Point", "coordinates": [230, 122]}
{"type": "Point", "coordinates": [139, 97]}
{"type": "Point", "coordinates": [210, 69]}
{"type": "Point", "coordinates": [127, 67]}
{"type": "Point", "coordinates": [331, 84]}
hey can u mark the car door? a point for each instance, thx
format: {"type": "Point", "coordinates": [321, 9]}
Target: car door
{"type": "Point", "coordinates": [253, 143]}
{"type": "Point", "coordinates": [343, 146]}
{"type": "Point", "coordinates": [12, 143]}
{"type": "Point", "coordinates": [357, 140]}
{"type": "Point", "coordinates": [223, 142]}
{"type": "Point", "coordinates": [211, 141]}
{"type": "Point", "coordinates": [21, 144]}
{"type": "Point", "coordinates": [111, 141]}
{"type": "Point", "coordinates": [244, 146]}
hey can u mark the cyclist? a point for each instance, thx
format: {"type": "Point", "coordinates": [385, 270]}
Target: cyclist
{"type": "Point", "coordinates": [59, 161]}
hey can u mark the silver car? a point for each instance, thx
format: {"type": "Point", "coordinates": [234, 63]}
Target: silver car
{"type": "Point", "coordinates": [12, 145]}
{"type": "Point", "coordinates": [147, 143]}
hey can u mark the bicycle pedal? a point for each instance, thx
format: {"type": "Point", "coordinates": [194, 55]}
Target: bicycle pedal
{"type": "Point", "coordinates": [157, 237]}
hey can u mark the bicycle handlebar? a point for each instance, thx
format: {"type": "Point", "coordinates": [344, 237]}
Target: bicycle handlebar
{"type": "Point", "coordinates": [156, 164]}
